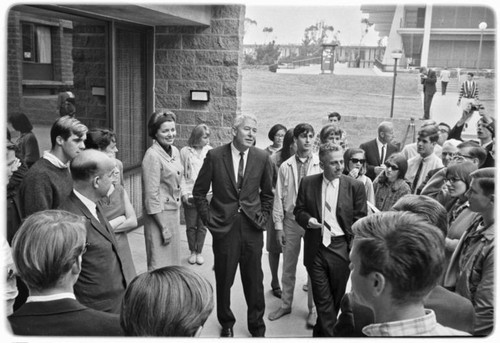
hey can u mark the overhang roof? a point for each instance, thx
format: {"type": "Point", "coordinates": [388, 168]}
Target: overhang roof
{"type": "Point", "coordinates": [381, 16]}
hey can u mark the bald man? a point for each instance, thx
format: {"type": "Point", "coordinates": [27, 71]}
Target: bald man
{"type": "Point", "coordinates": [378, 149]}
{"type": "Point", "coordinates": [101, 283]}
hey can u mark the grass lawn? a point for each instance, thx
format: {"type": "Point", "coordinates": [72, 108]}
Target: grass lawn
{"type": "Point", "coordinates": [291, 98]}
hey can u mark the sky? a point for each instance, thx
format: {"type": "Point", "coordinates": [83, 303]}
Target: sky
{"type": "Point", "coordinates": [290, 21]}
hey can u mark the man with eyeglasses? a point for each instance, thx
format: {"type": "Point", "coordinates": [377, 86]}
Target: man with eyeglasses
{"type": "Point", "coordinates": [48, 251]}
{"type": "Point", "coordinates": [420, 165]}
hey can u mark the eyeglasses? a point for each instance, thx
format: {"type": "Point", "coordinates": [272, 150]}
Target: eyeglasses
{"type": "Point", "coordinates": [459, 156]}
{"type": "Point", "coordinates": [84, 250]}
{"type": "Point", "coordinates": [451, 180]}
{"type": "Point", "coordinates": [355, 160]}
{"type": "Point", "coordinates": [391, 165]}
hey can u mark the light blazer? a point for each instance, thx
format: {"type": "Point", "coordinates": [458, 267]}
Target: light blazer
{"type": "Point", "coordinates": [63, 317]}
{"type": "Point", "coordinates": [255, 198]}
{"type": "Point", "coordinates": [351, 206]}
{"type": "Point", "coordinates": [162, 179]}
{"type": "Point", "coordinates": [372, 156]}
{"type": "Point", "coordinates": [101, 283]}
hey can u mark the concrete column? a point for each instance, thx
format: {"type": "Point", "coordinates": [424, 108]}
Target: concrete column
{"type": "Point", "coordinates": [394, 40]}
{"type": "Point", "coordinates": [424, 57]}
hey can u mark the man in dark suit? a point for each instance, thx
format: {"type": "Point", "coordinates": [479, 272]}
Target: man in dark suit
{"type": "Point", "coordinates": [428, 81]}
{"type": "Point", "coordinates": [47, 251]}
{"type": "Point", "coordinates": [101, 284]}
{"type": "Point", "coordinates": [241, 179]}
{"type": "Point", "coordinates": [379, 149]}
{"type": "Point", "coordinates": [327, 205]}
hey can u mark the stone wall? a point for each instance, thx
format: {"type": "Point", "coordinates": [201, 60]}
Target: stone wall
{"type": "Point", "coordinates": [194, 58]}
{"type": "Point", "coordinates": [14, 63]}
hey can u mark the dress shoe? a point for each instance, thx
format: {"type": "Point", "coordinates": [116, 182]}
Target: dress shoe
{"type": "Point", "coordinates": [311, 319]}
{"type": "Point", "coordinates": [192, 258]}
{"type": "Point", "coordinates": [226, 332]}
{"type": "Point", "coordinates": [199, 259]}
{"type": "Point", "coordinates": [279, 313]}
{"type": "Point", "coordinates": [305, 288]}
{"type": "Point", "coordinates": [277, 292]}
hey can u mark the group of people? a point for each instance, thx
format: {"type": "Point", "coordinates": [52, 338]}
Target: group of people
{"type": "Point", "coordinates": [411, 227]}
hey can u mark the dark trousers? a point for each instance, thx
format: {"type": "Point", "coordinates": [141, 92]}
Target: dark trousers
{"type": "Point", "coordinates": [329, 273]}
{"type": "Point", "coordinates": [241, 245]}
{"type": "Point", "coordinates": [195, 230]}
{"type": "Point", "coordinates": [427, 105]}
{"type": "Point", "coordinates": [444, 85]}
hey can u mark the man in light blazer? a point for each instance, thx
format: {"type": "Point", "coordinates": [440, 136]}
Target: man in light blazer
{"type": "Point", "coordinates": [241, 179]}
{"type": "Point", "coordinates": [327, 205]}
{"type": "Point", "coordinates": [379, 149]}
{"type": "Point", "coordinates": [102, 282]}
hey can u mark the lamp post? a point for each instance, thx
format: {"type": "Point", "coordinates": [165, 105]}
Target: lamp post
{"type": "Point", "coordinates": [482, 27]}
{"type": "Point", "coordinates": [396, 54]}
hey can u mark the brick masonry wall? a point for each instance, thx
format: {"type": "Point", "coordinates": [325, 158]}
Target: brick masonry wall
{"type": "Point", "coordinates": [14, 62]}
{"type": "Point", "coordinates": [194, 58]}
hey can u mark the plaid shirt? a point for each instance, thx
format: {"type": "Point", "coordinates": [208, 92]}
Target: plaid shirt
{"type": "Point", "coordinates": [422, 326]}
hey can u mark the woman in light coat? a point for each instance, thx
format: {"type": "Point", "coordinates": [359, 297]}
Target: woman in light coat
{"type": "Point", "coordinates": [162, 175]}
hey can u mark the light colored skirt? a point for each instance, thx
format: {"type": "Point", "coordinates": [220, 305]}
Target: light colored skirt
{"type": "Point", "coordinates": [159, 255]}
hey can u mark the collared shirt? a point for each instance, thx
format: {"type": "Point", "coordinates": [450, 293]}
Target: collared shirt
{"type": "Point", "coordinates": [89, 204]}
{"type": "Point", "coordinates": [379, 147]}
{"type": "Point", "coordinates": [421, 326]}
{"type": "Point", "coordinates": [54, 160]}
{"type": "Point", "coordinates": [236, 160]}
{"type": "Point", "coordinates": [302, 166]}
{"type": "Point", "coordinates": [430, 162]}
{"type": "Point", "coordinates": [51, 297]}
{"type": "Point", "coordinates": [325, 187]}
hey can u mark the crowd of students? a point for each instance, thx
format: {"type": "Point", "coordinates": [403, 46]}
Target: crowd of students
{"type": "Point", "coordinates": [406, 225]}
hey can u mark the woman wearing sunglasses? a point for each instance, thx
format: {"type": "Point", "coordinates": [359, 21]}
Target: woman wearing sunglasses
{"type": "Point", "coordinates": [355, 167]}
{"type": "Point", "coordinates": [390, 184]}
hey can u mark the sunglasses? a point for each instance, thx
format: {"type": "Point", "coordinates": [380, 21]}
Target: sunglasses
{"type": "Point", "coordinates": [355, 160]}
{"type": "Point", "coordinates": [391, 165]}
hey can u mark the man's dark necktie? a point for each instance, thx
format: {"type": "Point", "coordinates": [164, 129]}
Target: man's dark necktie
{"type": "Point", "coordinates": [240, 171]}
{"type": "Point", "coordinates": [382, 157]}
{"type": "Point", "coordinates": [417, 176]}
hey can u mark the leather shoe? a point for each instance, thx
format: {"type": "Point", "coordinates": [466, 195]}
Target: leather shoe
{"type": "Point", "coordinates": [277, 292]}
{"type": "Point", "coordinates": [312, 317]}
{"type": "Point", "coordinates": [305, 287]}
{"type": "Point", "coordinates": [279, 313]}
{"type": "Point", "coordinates": [226, 332]}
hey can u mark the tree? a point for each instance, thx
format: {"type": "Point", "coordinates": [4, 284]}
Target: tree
{"type": "Point", "coordinates": [248, 23]}
{"type": "Point", "coordinates": [314, 36]}
{"type": "Point", "coordinates": [267, 54]}
{"type": "Point", "coordinates": [365, 27]}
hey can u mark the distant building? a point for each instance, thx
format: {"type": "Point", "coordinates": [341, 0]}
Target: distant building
{"type": "Point", "coordinates": [436, 35]}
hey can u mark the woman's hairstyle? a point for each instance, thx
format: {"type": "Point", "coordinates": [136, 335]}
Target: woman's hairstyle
{"type": "Point", "coordinates": [197, 134]}
{"type": "Point", "coordinates": [99, 139]}
{"type": "Point", "coordinates": [402, 163]}
{"type": "Point", "coordinates": [348, 154]}
{"type": "Point", "coordinates": [46, 246]}
{"type": "Point", "coordinates": [20, 122]}
{"type": "Point", "coordinates": [287, 143]}
{"type": "Point", "coordinates": [157, 119]}
{"type": "Point", "coordinates": [327, 130]}
{"type": "Point", "coordinates": [461, 171]}
{"type": "Point", "coordinates": [170, 301]}
{"type": "Point", "coordinates": [274, 130]}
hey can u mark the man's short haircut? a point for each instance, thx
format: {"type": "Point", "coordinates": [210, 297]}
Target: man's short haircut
{"type": "Point", "coordinates": [197, 134]}
{"type": "Point", "coordinates": [87, 164]}
{"type": "Point", "coordinates": [302, 128]}
{"type": "Point", "coordinates": [99, 139]}
{"type": "Point", "coordinates": [468, 144]}
{"type": "Point", "coordinates": [334, 114]}
{"type": "Point", "coordinates": [461, 171]}
{"type": "Point", "coordinates": [326, 148]}
{"type": "Point", "coordinates": [240, 119]}
{"type": "Point", "coordinates": [430, 131]}
{"type": "Point", "coordinates": [485, 178]}
{"type": "Point", "coordinates": [470, 73]}
{"type": "Point", "coordinates": [66, 126]}
{"type": "Point", "coordinates": [444, 124]}
{"type": "Point", "coordinates": [20, 122]}
{"type": "Point", "coordinates": [430, 209]}
{"type": "Point", "coordinates": [157, 119]}
{"type": "Point", "coordinates": [475, 152]}
{"type": "Point", "coordinates": [327, 130]}
{"type": "Point", "coordinates": [46, 246]}
{"type": "Point", "coordinates": [169, 301]}
{"type": "Point", "coordinates": [385, 126]}
{"type": "Point", "coordinates": [274, 130]}
{"type": "Point", "coordinates": [407, 250]}
{"type": "Point", "coordinates": [451, 142]}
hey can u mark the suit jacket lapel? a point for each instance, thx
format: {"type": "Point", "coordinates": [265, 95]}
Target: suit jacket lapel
{"type": "Point", "coordinates": [317, 196]}
{"type": "Point", "coordinates": [101, 228]}
{"type": "Point", "coordinates": [228, 162]}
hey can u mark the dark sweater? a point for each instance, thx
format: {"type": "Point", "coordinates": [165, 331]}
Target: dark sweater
{"type": "Point", "coordinates": [44, 187]}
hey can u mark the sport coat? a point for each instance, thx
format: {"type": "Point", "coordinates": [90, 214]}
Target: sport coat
{"type": "Point", "coordinates": [101, 283]}
{"type": "Point", "coordinates": [430, 82]}
{"type": "Point", "coordinates": [373, 157]}
{"type": "Point", "coordinates": [255, 199]}
{"type": "Point", "coordinates": [63, 317]}
{"type": "Point", "coordinates": [351, 206]}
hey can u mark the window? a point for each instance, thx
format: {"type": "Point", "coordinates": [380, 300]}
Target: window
{"type": "Point", "coordinates": [37, 43]}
